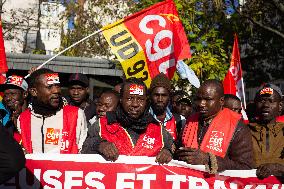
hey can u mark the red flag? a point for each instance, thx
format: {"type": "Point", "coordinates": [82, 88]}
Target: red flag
{"type": "Point", "coordinates": [233, 81]}
{"type": "Point", "coordinates": [149, 42]}
{"type": "Point", "coordinates": [3, 63]}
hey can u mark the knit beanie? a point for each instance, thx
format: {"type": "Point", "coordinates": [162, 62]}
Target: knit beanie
{"type": "Point", "coordinates": [161, 80]}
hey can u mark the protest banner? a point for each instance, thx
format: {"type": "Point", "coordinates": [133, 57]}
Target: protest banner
{"type": "Point", "coordinates": [92, 171]}
{"type": "Point", "coordinates": [149, 42]}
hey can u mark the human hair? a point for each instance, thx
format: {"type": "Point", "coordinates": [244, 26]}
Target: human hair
{"type": "Point", "coordinates": [132, 80]}
{"type": "Point", "coordinates": [217, 85]}
{"type": "Point", "coordinates": [113, 92]}
{"type": "Point", "coordinates": [178, 93]}
{"type": "Point", "coordinates": [33, 79]}
{"type": "Point", "coordinates": [231, 96]}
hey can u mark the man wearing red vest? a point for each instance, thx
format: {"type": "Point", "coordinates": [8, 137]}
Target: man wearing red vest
{"type": "Point", "coordinates": [48, 126]}
{"type": "Point", "coordinates": [160, 89]}
{"type": "Point", "coordinates": [214, 136]}
{"type": "Point", "coordinates": [130, 130]}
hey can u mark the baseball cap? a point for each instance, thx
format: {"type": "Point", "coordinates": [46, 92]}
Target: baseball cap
{"type": "Point", "coordinates": [14, 81]}
{"type": "Point", "coordinates": [184, 98]}
{"type": "Point", "coordinates": [269, 89]}
{"type": "Point", "coordinates": [79, 78]}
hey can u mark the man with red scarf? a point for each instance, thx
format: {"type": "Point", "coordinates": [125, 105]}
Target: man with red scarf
{"type": "Point", "coordinates": [131, 129]}
{"type": "Point", "coordinates": [215, 136]}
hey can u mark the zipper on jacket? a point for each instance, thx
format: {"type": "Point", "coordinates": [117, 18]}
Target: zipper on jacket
{"type": "Point", "coordinates": [267, 140]}
{"type": "Point", "coordinates": [42, 135]}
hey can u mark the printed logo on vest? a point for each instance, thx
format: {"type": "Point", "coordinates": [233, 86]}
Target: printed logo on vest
{"type": "Point", "coordinates": [52, 136]}
{"type": "Point", "coordinates": [148, 142]}
{"type": "Point", "coordinates": [216, 141]}
{"type": "Point", "coordinates": [64, 142]}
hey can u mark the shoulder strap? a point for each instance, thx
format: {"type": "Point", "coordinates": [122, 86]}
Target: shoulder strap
{"type": "Point", "coordinates": [70, 117]}
{"type": "Point", "coordinates": [25, 125]}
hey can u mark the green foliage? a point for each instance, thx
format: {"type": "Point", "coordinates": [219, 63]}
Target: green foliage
{"type": "Point", "coordinates": [38, 51]}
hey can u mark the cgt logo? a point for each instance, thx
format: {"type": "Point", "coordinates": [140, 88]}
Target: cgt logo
{"type": "Point", "coordinates": [216, 141]}
{"type": "Point", "coordinates": [52, 136]}
{"type": "Point", "coordinates": [156, 48]}
{"type": "Point", "coordinates": [148, 142]}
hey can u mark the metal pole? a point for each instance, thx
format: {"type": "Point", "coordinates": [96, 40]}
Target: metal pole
{"type": "Point", "coordinates": [61, 52]}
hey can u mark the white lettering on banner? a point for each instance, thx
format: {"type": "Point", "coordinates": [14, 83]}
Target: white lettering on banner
{"type": "Point", "coordinates": [70, 181]}
{"type": "Point", "coordinates": [122, 184]}
{"type": "Point", "coordinates": [216, 141]}
{"type": "Point", "coordinates": [152, 178]}
{"type": "Point", "coordinates": [158, 53]}
{"type": "Point", "coordinates": [176, 179]}
{"type": "Point", "coordinates": [93, 183]}
{"type": "Point", "coordinates": [197, 183]}
{"type": "Point", "coordinates": [48, 177]}
{"type": "Point", "coordinates": [219, 184]}
{"type": "Point", "coordinates": [146, 178]}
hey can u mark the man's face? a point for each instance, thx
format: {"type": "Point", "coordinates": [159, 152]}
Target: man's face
{"type": "Point", "coordinates": [208, 101]}
{"type": "Point", "coordinates": [233, 105]}
{"type": "Point", "coordinates": [106, 103]}
{"type": "Point", "coordinates": [47, 94]}
{"type": "Point", "coordinates": [160, 98]}
{"type": "Point", "coordinates": [78, 94]}
{"type": "Point", "coordinates": [184, 108]}
{"type": "Point", "coordinates": [174, 103]}
{"type": "Point", "coordinates": [133, 103]}
{"type": "Point", "coordinates": [268, 107]}
{"type": "Point", "coordinates": [13, 98]}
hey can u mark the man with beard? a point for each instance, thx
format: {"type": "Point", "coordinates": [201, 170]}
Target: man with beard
{"type": "Point", "coordinates": [48, 126]}
{"type": "Point", "coordinates": [130, 130]}
{"type": "Point", "coordinates": [14, 99]}
{"type": "Point", "coordinates": [159, 101]}
{"type": "Point", "coordinates": [215, 136]}
{"type": "Point", "coordinates": [79, 94]}
{"type": "Point", "coordinates": [268, 143]}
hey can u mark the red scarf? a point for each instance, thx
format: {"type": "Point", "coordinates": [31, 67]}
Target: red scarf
{"type": "Point", "coordinates": [218, 135]}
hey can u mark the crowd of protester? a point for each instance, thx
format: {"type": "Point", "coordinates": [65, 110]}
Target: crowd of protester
{"type": "Point", "coordinates": [207, 128]}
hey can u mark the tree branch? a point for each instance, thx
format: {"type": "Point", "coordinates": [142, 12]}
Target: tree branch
{"type": "Point", "coordinates": [279, 5]}
{"type": "Point", "coordinates": [260, 24]}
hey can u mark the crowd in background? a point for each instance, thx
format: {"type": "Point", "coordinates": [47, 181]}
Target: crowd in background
{"type": "Point", "coordinates": [207, 128]}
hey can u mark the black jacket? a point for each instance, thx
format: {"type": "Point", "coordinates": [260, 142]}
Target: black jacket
{"type": "Point", "coordinates": [12, 158]}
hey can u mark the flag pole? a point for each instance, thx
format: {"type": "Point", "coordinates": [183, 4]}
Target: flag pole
{"type": "Point", "coordinates": [244, 94]}
{"type": "Point", "coordinates": [61, 52]}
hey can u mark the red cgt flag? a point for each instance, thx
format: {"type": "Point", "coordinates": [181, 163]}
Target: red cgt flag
{"type": "Point", "coordinates": [3, 63]}
{"type": "Point", "coordinates": [233, 81]}
{"type": "Point", "coordinates": [149, 42]}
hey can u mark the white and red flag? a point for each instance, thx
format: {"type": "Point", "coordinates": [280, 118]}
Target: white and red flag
{"type": "Point", "coordinates": [233, 81]}
{"type": "Point", "coordinates": [149, 42]}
